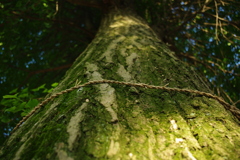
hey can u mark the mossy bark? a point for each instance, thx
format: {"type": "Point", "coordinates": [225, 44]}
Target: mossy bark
{"type": "Point", "coordinates": [111, 121]}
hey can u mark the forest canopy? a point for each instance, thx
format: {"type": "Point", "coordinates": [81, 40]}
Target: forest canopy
{"type": "Point", "coordinates": [39, 41]}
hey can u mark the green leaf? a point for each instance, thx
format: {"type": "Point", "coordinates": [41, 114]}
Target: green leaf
{"type": "Point", "coordinates": [224, 60]}
{"type": "Point", "coordinates": [32, 103]}
{"type": "Point", "coordinates": [4, 119]}
{"type": "Point", "coordinates": [37, 89]}
{"type": "Point", "coordinates": [12, 109]}
{"type": "Point", "coordinates": [45, 5]}
{"type": "Point", "coordinates": [24, 95]}
{"type": "Point", "coordinates": [24, 90]}
{"type": "Point", "coordinates": [13, 91]}
{"type": "Point", "coordinates": [198, 17]}
{"type": "Point", "coordinates": [8, 102]}
{"type": "Point", "coordinates": [11, 96]}
{"type": "Point", "coordinates": [22, 106]}
{"type": "Point", "coordinates": [24, 113]}
{"type": "Point", "coordinates": [46, 90]}
{"type": "Point", "coordinates": [54, 84]}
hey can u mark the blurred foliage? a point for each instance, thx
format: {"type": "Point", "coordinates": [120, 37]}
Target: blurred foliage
{"type": "Point", "coordinates": [22, 101]}
{"type": "Point", "coordinates": [39, 41]}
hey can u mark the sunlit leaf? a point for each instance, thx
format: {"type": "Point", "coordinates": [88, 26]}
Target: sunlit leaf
{"type": "Point", "coordinates": [11, 96]}
{"type": "Point", "coordinates": [40, 87]}
{"type": "Point", "coordinates": [54, 85]}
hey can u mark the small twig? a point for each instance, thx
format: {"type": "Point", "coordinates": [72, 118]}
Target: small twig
{"type": "Point", "coordinates": [236, 103]}
{"type": "Point", "coordinates": [216, 30]}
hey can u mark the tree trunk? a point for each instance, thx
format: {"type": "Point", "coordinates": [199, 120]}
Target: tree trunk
{"type": "Point", "coordinates": [115, 121]}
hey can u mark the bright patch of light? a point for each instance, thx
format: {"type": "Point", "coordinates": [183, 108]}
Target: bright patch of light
{"type": "Point", "coordinates": [130, 154]}
{"type": "Point", "coordinates": [2, 79]}
{"type": "Point", "coordinates": [30, 62]}
{"type": "Point", "coordinates": [210, 39]}
{"type": "Point", "coordinates": [39, 33]}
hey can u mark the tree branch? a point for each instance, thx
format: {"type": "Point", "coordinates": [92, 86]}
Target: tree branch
{"type": "Point", "coordinates": [88, 3]}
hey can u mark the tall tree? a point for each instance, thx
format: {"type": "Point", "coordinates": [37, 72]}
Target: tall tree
{"type": "Point", "coordinates": [124, 118]}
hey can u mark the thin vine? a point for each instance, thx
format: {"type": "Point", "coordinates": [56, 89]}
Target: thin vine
{"type": "Point", "coordinates": [235, 111]}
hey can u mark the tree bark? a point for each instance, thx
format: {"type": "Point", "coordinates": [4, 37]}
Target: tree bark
{"type": "Point", "coordinates": [113, 121]}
